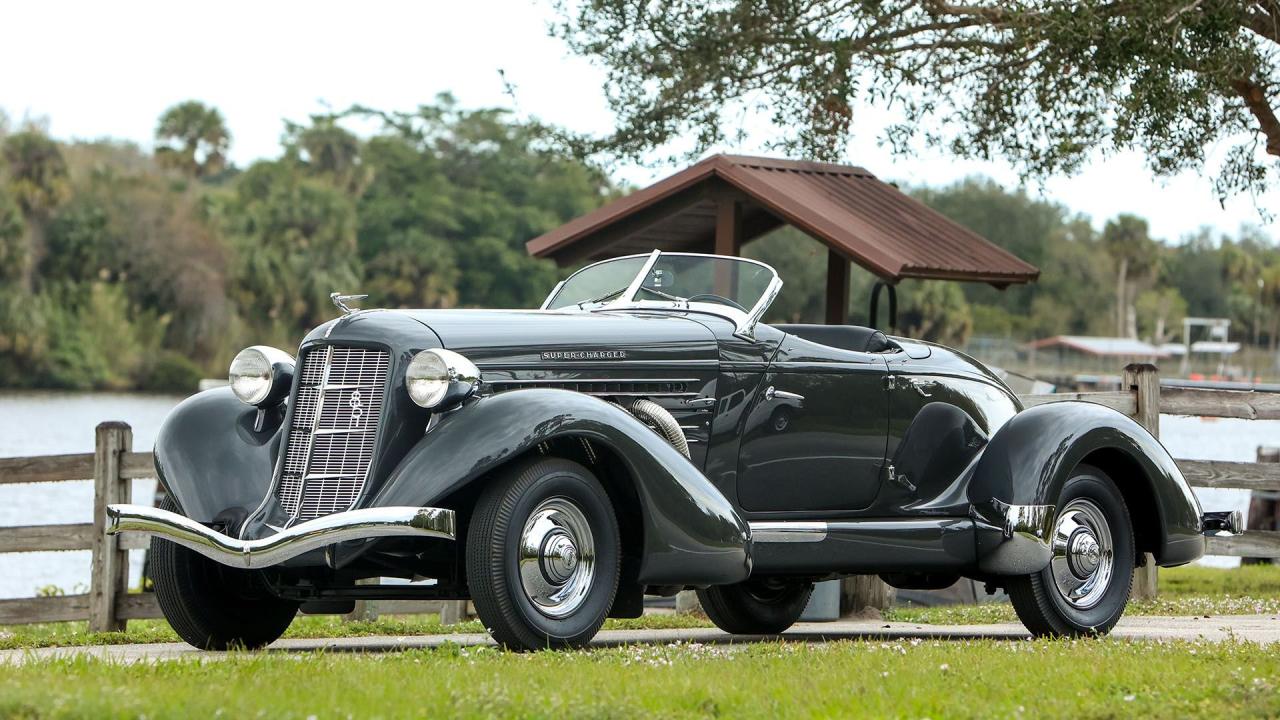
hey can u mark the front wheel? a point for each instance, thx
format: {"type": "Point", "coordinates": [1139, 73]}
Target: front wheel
{"type": "Point", "coordinates": [212, 606]}
{"type": "Point", "coordinates": [1086, 586]}
{"type": "Point", "coordinates": [759, 606]}
{"type": "Point", "coordinates": [543, 556]}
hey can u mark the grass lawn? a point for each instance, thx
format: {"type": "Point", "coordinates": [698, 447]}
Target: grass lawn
{"type": "Point", "coordinates": [1184, 591]}
{"type": "Point", "coordinates": [909, 678]}
{"type": "Point", "coordinates": [1094, 678]}
{"type": "Point", "coordinates": [1189, 590]}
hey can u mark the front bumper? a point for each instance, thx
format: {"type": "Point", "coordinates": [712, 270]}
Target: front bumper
{"type": "Point", "coordinates": [421, 522]}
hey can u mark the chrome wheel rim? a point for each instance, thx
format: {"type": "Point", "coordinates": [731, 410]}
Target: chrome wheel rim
{"type": "Point", "coordinates": [557, 557]}
{"type": "Point", "coordinates": [1083, 554]}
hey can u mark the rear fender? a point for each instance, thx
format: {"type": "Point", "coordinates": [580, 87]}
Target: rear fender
{"type": "Point", "coordinates": [692, 534]}
{"type": "Point", "coordinates": [1032, 456]}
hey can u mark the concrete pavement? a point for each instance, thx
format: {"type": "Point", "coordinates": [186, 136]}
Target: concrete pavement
{"type": "Point", "coordinates": [1255, 628]}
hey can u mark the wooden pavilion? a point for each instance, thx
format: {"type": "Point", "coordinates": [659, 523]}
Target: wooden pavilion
{"type": "Point", "coordinates": [724, 201]}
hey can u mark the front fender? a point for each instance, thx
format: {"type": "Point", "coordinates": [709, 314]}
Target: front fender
{"type": "Point", "coordinates": [1030, 458]}
{"type": "Point", "coordinates": [211, 460]}
{"type": "Point", "coordinates": [692, 534]}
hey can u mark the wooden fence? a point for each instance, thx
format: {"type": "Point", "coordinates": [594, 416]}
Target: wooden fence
{"type": "Point", "coordinates": [113, 465]}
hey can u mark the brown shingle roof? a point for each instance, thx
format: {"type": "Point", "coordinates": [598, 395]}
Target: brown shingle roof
{"type": "Point", "coordinates": [847, 208]}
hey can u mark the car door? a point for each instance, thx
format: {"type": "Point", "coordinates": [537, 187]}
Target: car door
{"type": "Point", "coordinates": [814, 440]}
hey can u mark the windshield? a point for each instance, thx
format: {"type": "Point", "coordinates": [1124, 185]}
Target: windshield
{"type": "Point", "coordinates": [679, 279]}
{"type": "Point", "coordinates": [598, 281]}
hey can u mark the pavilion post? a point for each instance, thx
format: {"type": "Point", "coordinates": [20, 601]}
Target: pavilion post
{"type": "Point", "coordinates": [728, 242]}
{"type": "Point", "coordinates": [837, 288]}
{"type": "Point", "coordinates": [728, 227]}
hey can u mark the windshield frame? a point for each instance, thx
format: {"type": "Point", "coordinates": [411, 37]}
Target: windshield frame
{"type": "Point", "coordinates": [744, 322]}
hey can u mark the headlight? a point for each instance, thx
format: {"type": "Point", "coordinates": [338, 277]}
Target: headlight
{"type": "Point", "coordinates": [261, 375]}
{"type": "Point", "coordinates": [440, 378]}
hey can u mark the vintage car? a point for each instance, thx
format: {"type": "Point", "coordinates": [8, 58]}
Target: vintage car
{"type": "Point", "coordinates": [641, 433]}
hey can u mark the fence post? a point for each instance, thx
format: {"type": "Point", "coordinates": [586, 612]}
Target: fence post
{"type": "Point", "coordinates": [860, 592]}
{"type": "Point", "coordinates": [1264, 507]}
{"type": "Point", "coordinates": [109, 572]}
{"type": "Point", "coordinates": [1144, 380]}
{"type": "Point", "coordinates": [453, 612]}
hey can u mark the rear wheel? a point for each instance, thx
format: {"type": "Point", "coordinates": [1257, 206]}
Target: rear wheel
{"type": "Point", "coordinates": [212, 606]}
{"type": "Point", "coordinates": [1085, 589]}
{"type": "Point", "coordinates": [759, 606]}
{"type": "Point", "coordinates": [543, 556]}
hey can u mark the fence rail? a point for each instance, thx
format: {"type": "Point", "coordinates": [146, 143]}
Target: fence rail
{"type": "Point", "coordinates": [113, 465]}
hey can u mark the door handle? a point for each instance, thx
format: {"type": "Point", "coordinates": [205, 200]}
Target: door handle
{"type": "Point", "coordinates": [700, 402]}
{"type": "Point", "coordinates": [920, 386]}
{"type": "Point", "coordinates": [770, 393]}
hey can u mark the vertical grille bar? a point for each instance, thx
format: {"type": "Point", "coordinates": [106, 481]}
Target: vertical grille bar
{"type": "Point", "coordinates": [334, 430]}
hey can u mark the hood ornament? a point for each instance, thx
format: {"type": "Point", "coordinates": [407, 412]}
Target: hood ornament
{"type": "Point", "coordinates": [341, 301]}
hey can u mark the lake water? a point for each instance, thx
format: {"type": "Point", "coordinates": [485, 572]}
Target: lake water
{"type": "Point", "coordinates": [46, 423]}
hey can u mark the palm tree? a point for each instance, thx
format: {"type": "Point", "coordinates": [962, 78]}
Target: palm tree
{"type": "Point", "coordinates": [192, 138]}
{"type": "Point", "coordinates": [1127, 240]}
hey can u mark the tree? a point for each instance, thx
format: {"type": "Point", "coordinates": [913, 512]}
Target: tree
{"type": "Point", "coordinates": [13, 252]}
{"type": "Point", "coordinates": [1270, 291]}
{"type": "Point", "coordinates": [455, 195]}
{"type": "Point", "coordinates": [36, 179]}
{"type": "Point", "coordinates": [1160, 312]}
{"type": "Point", "coordinates": [936, 311]}
{"type": "Point", "coordinates": [192, 138]}
{"type": "Point", "coordinates": [1136, 256]}
{"type": "Point", "coordinates": [1043, 83]}
{"type": "Point", "coordinates": [329, 150]}
{"type": "Point", "coordinates": [294, 239]}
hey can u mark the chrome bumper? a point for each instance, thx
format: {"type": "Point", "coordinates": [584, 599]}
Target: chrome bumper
{"type": "Point", "coordinates": [1222, 524]}
{"type": "Point", "coordinates": [303, 537]}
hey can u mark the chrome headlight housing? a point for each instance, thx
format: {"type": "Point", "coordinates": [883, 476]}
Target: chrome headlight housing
{"type": "Point", "coordinates": [439, 378]}
{"type": "Point", "coordinates": [261, 375]}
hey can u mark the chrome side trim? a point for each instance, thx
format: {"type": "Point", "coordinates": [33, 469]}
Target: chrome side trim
{"type": "Point", "coordinates": [303, 537]}
{"type": "Point", "coordinates": [788, 532]}
{"type": "Point", "coordinates": [615, 380]}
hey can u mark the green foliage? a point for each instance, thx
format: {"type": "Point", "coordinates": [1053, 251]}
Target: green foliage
{"type": "Point", "coordinates": [170, 372]}
{"type": "Point", "coordinates": [13, 251]}
{"type": "Point", "coordinates": [96, 339]}
{"type": "Point", "coordinates": [935, 311]}
{"type": "Point", "coordinates": [117, 273]}
{"type": "Point", "coordinates": [294, 242]}
{"type": "Point", "coordinates": [132, 277]}
{"type": "Point", "coordinates": [1043, 83]}
{"type": "Point", "coordinates": [35, 172]}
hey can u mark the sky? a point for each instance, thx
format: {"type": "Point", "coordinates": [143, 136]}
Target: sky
{"type": "Point", "coordinates": [96, 70]}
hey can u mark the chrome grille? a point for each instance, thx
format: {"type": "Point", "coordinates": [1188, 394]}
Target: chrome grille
{"type": "Point", "coordinates": [333, 431]}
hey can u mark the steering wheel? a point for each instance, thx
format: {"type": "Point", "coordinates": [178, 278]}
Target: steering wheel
{"type": "Point", "coordinates": [712, 297]}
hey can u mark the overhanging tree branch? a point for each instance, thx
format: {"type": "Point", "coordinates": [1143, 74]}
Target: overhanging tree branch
{"type": "Point", "coordinates": [1255, 98]}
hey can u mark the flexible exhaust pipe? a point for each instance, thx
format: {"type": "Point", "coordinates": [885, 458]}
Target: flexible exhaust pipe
{"type": "Point", "coordinates": [304, 537]}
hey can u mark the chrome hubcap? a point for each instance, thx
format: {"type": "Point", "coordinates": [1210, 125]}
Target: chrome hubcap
{"type": "Point", "coordinates": [1083, 554]}
{"type": "Point", "coordinates": [557, 557]}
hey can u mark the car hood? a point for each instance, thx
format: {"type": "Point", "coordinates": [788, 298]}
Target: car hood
{"type": "Point", "coordinates": [531, 337]}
